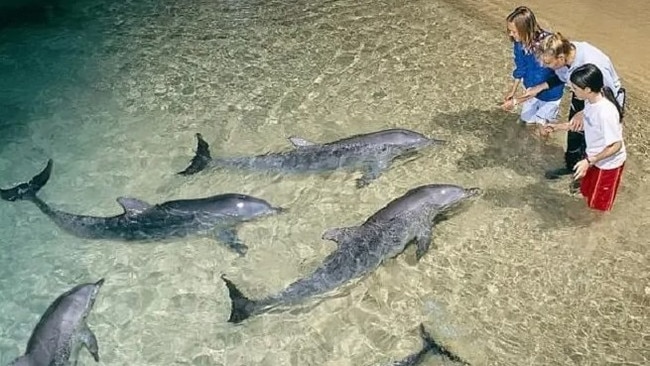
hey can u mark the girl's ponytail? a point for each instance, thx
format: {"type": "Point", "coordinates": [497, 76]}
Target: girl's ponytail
{"type": "Point", "coordinates": [609, 94]}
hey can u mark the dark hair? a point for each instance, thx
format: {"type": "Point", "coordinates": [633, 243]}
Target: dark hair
{"type": "Point", "coordinates": [590, 76]}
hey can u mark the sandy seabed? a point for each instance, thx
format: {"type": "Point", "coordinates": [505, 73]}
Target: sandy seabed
{"type": "Point", "coordinates": [114, 93]}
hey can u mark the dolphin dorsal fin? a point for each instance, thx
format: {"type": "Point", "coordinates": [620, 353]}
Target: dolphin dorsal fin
{"type": "Point", "coordinates": [338, 234]}
{"type": "Point", "coordinates": [300, 142]}
{"type": "Point", "coordinates": [133, 206]}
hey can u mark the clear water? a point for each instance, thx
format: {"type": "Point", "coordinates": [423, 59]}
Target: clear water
{"type": "Point", "coordinates": [114, 93]}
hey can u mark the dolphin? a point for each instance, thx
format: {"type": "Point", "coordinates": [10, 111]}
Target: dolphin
{"type": "Point", "coordinates": [361, 249]}
{"type": "Point", "coordinates": [216, 215]}
{"type": "Point", "coordinates": [429, 345]}
{"type": "Point", "coordinates": [62, 330]}
{"type": "Point", "coordinates": [371, 153]}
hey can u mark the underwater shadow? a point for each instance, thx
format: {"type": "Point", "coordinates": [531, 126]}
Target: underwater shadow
{"type": "Point", "coordinates": [556, 208]}
{"type": "Point", "coordinates": [14, 123]}
{"type": "Point", "coordinates": [506, 143]}
{"type": "Point", "coordinates": [28, 12]}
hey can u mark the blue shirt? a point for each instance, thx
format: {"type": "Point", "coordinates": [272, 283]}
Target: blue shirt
{"type": "Point", "coordinates": [530, 69]}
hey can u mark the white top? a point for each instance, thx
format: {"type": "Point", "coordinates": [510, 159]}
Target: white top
{"type": "Point", "coordinates": [602, 128]}
{"type": "Point", "coordinates": [588, 54]}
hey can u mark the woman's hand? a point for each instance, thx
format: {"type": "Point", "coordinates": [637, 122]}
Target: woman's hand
{"type": "Point", "coordinates": [508, 105]}
{"type": "Point", "coordinates": [577, 122]}
{"type": "Point", "coordinates": [533, 91]}
{"type": "Point", "coordinates": [554, 127]}
{"type": "Point", "coordinates": [580, 169]}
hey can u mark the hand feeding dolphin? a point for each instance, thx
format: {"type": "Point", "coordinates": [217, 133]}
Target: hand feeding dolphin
{"type": "Point", "coordinates": [429, 346]}
{"type": "Point", "coordinates": [140, 221]}
{"type": "Point", "coordinates": [370, 153]}
{"type": "Point", "coordinates": [361, 249]}
{"type": "Point", "coordinates": [62, 330]}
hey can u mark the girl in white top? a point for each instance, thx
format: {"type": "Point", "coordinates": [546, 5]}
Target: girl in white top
{"type": "Point", "coordinates": [602, 166]}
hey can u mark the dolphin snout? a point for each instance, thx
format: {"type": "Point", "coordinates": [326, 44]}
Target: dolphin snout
{"type": "Point", "coordinates": [100, 282]}
{"type": "Point", "coordinates": [473, 192]}
{"type": "Point", "coordinates": [279, 210]}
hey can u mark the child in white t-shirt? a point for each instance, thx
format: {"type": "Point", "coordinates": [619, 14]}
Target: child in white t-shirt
{"type": "Point", "coordinates": [602, 166]}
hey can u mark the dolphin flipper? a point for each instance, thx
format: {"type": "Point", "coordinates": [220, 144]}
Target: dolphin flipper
{"type": "Point", "coordinates": [229, 237]}
{"type": "Point", "coordinates": [371, 172]}
{"type": "Point", "coordinates": [89, 340]}
{"type": "Point", "coordinates": [28, 190]}
{"type": "Point", "coordinates": [423, 242]}
{"type": "Point", "coordinates": [300, 142]}
{"type": "Point", "coordinates": [201, 158]}
{"type": "Point", "coordinates": [338, 234]}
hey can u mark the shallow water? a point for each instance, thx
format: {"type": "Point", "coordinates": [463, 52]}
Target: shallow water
{"type": "Point", "coordinates": [115, 92]}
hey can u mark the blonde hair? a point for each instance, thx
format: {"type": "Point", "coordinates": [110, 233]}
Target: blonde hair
{"type": "Point", "coordinates": [524, 20]}
{"type": "Point", "coordinates": [555, 45]}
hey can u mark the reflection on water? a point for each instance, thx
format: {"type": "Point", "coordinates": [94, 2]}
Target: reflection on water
{"type": "Point", "coordinates": [524, 275]}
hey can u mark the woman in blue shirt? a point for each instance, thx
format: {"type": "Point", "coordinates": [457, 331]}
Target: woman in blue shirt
{"type": "Point", "coordinates": [526, 34]}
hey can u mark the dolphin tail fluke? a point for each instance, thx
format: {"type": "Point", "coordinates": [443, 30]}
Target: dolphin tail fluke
{"type": "Point", "coordinates": [201, 158]}
{"type": "Point", "coordinates": [430, 345]}
{"type": "Point", "coordinates": [27, 191]}
{"type": "Point", "coordinates": [241, 306]}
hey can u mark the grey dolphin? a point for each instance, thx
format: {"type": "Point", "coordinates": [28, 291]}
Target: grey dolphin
{"type": "Point", "coordinates": [363, 248]}
{"type": "Point", "coordinates": [370, 153]}
{"type": "Point", "coordinates": [217, 215]}
{"type": "Point", "coordinates": [62, 330]}
{"type": "Point", "coordinates": [429, 346]}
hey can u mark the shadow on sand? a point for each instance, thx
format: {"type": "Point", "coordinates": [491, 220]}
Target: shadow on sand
{"type": "Point", "coordinates": [508, 144]}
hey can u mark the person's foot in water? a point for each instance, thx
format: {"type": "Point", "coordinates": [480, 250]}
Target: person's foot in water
{"type": "Point", "coordinates": [557, 173]}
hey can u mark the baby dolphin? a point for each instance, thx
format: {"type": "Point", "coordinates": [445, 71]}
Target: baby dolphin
{"type": "Point", "coordinates": [62, 331]}
{"type": "Point", "coordinates": [217, 215]}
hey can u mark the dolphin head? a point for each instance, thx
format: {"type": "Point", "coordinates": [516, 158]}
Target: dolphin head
{"type": "Point", "coordinates": [83, 296]}
{"type": "Point", "coordinates": [250, 207]}
{"type": "Point", "coordinates": [407, 139]}
{"type": "Point", "coordinates": [446, 196]}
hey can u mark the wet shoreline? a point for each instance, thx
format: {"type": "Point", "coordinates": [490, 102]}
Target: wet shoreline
{"type": "Point", "coordinates": [618, 28]}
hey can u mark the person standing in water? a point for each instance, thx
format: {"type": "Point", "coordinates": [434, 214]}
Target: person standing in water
{"type": "Point", "coordinates": [602, 165]}
{"type": "Point", "coordinates": [564, 56]}
{"type": "Point", "coordinates": [526, 34]}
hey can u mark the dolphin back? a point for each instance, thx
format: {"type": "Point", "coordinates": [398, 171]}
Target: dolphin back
{"type": "Point", "coordinates": [27, 191]}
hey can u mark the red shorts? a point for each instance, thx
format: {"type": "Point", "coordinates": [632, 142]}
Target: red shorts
{"type": "Point", "coordinates": [599, 187]}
